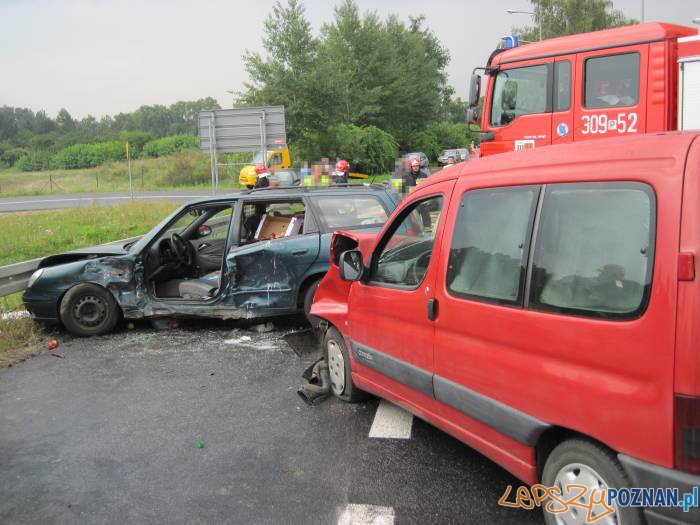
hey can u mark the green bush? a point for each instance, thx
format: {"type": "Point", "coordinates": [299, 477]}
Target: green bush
{"type": "Point", "coordinates": [452, 135]}
{"type": "Point", "coordinates": [186, 169]}
{"type": "Point", "coordinates": [10, 154]}
{"type": "Point", "coordinates": [424, 141]}
{"type": "Point", "coordinates": [88, 155]}
{"type": "Point", "coordinates": [169, 145]}
{"type": "Point", "coordinates": [368, 149]}
{"type": "Point", "coordinates": [137, 140]}
{"type": "Point", "coordinates": [34, 160]}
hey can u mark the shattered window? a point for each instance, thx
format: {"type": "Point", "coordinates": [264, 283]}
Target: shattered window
{"type": "Point", "coordinates": [272, 220]}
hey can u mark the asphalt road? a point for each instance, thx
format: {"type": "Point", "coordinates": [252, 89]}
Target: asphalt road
{"type": "Point", "coordinates": [108, 435]}
{"type": "Point", "coordinates": [52, 202]}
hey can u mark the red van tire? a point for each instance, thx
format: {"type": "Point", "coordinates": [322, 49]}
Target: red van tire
{"type": "Point", "coordinates": [586, 463]}
{"type": "Point", "coordinates": [338, 360]}
{"type": "Point", "coordinates": [88, 309]}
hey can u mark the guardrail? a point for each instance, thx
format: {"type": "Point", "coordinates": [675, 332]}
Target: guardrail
{"type": "Point", "coordinates": [14, 277]}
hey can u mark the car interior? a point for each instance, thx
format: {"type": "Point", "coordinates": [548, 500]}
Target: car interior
{"type": "Point", "coordinates": [268, 220]}
{"type": "Point", "coordinates": [186, 261]}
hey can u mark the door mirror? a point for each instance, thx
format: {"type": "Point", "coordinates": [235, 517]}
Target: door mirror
{"type": "Point", "coordinates": [474, 90]}
{"type": "Point", "coordinates": [471, 116]}
{"type": "Point", "coordinates": [351, 266]}
{"type": "Point", "coordinates": [203, 231]}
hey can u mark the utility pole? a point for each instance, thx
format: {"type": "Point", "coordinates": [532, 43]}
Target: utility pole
{"type": "Point", "coordinates": [128, 160]}
{"type": "Point", "coordinates": [537, 18]}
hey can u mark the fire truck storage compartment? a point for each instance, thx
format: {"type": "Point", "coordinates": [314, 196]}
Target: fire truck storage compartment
{"type": "Point", "coordinates": [689, 99]}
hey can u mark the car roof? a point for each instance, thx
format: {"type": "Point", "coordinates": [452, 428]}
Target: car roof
{"type": "Point", "coordinates": [293, 191]}
{"type": "Point", "coordinates": [606, 38]}
{"type": "Point", "coordinates": [620, 158]}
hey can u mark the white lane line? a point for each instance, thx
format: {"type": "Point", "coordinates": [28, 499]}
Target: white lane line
{"type": "Point", "coordinates": [359, 514]}
{"type": "Point", "coordinates": [90, 199]}
{"type": "Point", "coordinates": [391, 422]}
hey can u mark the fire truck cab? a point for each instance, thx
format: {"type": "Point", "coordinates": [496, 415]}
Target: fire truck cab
{"type": "Point", "coordinates": [592, 85]}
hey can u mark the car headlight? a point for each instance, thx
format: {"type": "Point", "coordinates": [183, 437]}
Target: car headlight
{"type": "Point", "coordinates": [34, 277]}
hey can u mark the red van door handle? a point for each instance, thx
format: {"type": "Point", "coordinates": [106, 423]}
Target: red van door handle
{"type": "Point", "coordinates": [432, 309]}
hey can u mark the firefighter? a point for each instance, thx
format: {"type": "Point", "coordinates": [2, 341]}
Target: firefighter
{"type": "Point", "coordinates": [262, 181]}
{"type": "Point", "coordinates": [342, 170]}
{"type": "Point", "coordinates": [415, 172]}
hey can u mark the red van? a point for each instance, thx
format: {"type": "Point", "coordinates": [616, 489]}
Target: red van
{"type": "Point", "coordinates": [543, 307]}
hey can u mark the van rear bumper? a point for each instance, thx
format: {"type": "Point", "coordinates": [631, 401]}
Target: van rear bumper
{"type": "Point", "coordinates": [648, 475]}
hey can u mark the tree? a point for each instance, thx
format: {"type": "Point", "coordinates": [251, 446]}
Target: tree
{"type": "Point", "coordinates": [64, 121]}
{"type": "Point", "coordinates": [288, 75]}
{"type": "Point", "coordinates": [569, 17]}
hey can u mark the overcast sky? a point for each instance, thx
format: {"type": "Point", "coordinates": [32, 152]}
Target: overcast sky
{"type": "Point", "coordinates": [105, 56]}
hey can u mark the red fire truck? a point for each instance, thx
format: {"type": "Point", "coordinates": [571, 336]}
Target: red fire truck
{"type": "Point", "coordinates": [633, 79]}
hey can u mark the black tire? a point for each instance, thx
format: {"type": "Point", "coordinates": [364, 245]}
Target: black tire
{"type": "Point", "coordinates": [349, 392]}
{"type": "Point", "coordinates": [308, 301]}
{"type": "Point", "coordinates": [88, 309]}
{"type": "Point", "coordinates": [597, 458]}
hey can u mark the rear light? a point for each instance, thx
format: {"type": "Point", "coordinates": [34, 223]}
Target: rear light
{"type": "Point", "coordinates": [687, 433]}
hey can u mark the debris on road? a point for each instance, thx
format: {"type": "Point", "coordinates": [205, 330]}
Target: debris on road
{"type": "Point", "coordinates": [52, 344]}
{"type": "Point", "coordinates": [200, 443]}
{"type": "Point", "coordinates": [303, 342]}
{"type": "Point", "coordinates": [60, 354]}
{"type": "Point", "coordinates": [238, 340]}
{"type": "Point", "coordinates": [262, 328]}
{"type": "Point", "coordinates": [317, 384]}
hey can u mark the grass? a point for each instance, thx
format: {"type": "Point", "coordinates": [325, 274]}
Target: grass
{"type": "Point", "coordinates": [185, 170]}
{"type": "Point", "coordinates": [28, 235]}
{"type": "Point", "coordinates": [18, 335]}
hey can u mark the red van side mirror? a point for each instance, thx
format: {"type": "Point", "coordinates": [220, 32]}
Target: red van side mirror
{"type": "Point", "coordinates": [351, 266]}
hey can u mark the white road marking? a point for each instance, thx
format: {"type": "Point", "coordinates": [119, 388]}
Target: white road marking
{"type": "Point", "coordinates": [359, 514]}
{"type": "Point", "coordinates": [391, 422]}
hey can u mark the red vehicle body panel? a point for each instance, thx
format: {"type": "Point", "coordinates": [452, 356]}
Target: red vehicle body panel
{"type": "Point", "coordinates": [656, 108]}
{"type": "Point", "coordinates": [613, 381]}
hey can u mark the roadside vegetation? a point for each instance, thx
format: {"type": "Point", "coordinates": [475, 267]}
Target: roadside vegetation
{"type": "Point", "coordinates": [28, 235]}
{"type": "Point", "coordinates": [19, 335]}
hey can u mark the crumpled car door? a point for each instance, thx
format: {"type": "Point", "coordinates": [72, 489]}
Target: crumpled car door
{"type": "Point", "coordinates": [266, 274]}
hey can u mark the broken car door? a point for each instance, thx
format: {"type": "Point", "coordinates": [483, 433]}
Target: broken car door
{"type": "Point", "coordinates": [278, 242]}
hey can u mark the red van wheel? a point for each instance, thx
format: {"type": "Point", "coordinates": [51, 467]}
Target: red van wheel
{"type": "Point", "coordinates": [580, 462]}
{"type": "Point", "coordinates": [339, 368]}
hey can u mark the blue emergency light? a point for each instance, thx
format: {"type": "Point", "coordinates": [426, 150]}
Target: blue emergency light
{"type": "Point", "coordinates": [511, 41]}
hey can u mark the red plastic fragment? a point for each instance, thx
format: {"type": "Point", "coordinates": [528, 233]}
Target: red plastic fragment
{"type": "Point", "coordinates": [52, 344]}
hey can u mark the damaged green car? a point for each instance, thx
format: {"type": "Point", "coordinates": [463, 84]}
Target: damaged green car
{"type": "Point", "coordinates": [254, 254]}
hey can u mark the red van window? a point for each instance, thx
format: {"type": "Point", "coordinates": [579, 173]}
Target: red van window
{"type": "Point", "coordinates": [489, 250]}
{"type": "Point", "coordinates": [593, 251]}
{"type": "Point", "coordinates": [404, 259]}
